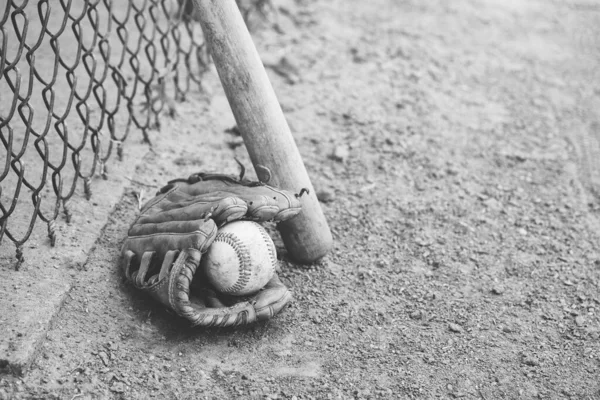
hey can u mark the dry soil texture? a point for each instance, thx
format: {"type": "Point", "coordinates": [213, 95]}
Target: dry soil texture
{"type": "Point", "coordinates": [455, 145]}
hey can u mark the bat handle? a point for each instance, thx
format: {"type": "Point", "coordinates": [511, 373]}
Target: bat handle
{"type": "Point", "coordinates": [262, 124]}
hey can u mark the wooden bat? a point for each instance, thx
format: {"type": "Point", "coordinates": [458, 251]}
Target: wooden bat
{"type": "Point", "coordinates": [262, 124]}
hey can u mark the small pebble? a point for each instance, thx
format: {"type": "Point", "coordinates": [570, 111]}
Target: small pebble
{"type": "Point", "coordinates": [415, 314]}
{"type": "Point", "coordinates": [498, 290]}
{"type": "Point", "coordinates": [235, 143]}
{"type": "Point", "coordinates": [531, 361]}
{"type": "Point", "coordinates": [326, 195]}
{"type": "Point", "coordinates": [340, 153]}
{"type": "Point", "coordinates": [117, 387]}
{"type": "Point", "coordinates": [579, 320]}
{"type": "Point", "coordinates": [104, 357]}
{"type": "Point", "coordinates": [455, 328]}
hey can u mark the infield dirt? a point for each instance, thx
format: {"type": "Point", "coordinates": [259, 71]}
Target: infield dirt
{"type": "Point", "coordinates": [456, 148]}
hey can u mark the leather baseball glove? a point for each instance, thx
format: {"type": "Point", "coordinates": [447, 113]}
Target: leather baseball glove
{"type": "Point", "coordinates": [165, 244]}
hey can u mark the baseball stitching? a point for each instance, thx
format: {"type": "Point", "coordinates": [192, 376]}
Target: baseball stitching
{"type": "Point", "coordinates": [267, 239]}
{"type": "Point", "coordinates": [243, 257]}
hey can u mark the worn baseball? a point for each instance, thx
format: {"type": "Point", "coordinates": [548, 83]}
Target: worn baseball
{"type": "Point", "coordinates": [241, 259]}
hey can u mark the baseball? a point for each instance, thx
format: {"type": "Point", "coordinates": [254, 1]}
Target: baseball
{"type": "Point", "coordinates": [241, 260]}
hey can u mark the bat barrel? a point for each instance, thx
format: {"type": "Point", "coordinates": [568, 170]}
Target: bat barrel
{"type": "Point", "coordinates": [263, 126]}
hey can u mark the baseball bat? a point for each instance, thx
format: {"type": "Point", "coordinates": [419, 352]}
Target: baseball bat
{"type": "Point", "coordinates": [263, 126]}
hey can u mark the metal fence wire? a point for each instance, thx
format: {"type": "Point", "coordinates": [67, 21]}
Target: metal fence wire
{"type": "Point", "coordinates": [76, 78]}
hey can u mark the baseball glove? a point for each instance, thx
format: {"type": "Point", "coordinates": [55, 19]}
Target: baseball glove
{"type": "Point", "coordinates": [165, 244]}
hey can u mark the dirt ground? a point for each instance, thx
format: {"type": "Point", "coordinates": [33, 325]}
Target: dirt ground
{"type": "Point", "coordinates": [457, 151]}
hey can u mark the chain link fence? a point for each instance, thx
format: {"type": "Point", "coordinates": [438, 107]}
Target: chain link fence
{"type": "Point", "coordinates": [76, 78]}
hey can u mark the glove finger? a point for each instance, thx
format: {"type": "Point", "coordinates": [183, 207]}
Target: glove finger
{"type": "Point", "coordinates": [134, 271]}
{"type": "Point", "coordinates": [287, 203]}
{"type": "Point", "coordinates": [127, 256]}
{"type": "Point", "coordinates": [149, 271]}
{"type": "Point", "coordinates": [177, 199]}
{"type": "Point", "coordinates": [271, 299]}
{"type": "Point", "coordinates": [168, 211]}
{"type": "Point", "coordinates": [268, 202]}
{"type": "Point", "coordinates": [227, 207]}
{"type": "Point", "coordinates": [163, 237]}
{"type": "Point", "coordinates": [260, 208]}
{"type": "Point", "coordinates": [171, 285]}
{"type": "Point", "coordinates": [170, 227]}
{"type": "Point", "coordinates": [222, 207]}
{"type": "Point", "coordinates": [139, 276]}
{"type": "Point", "coordinates": [168, 199]}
